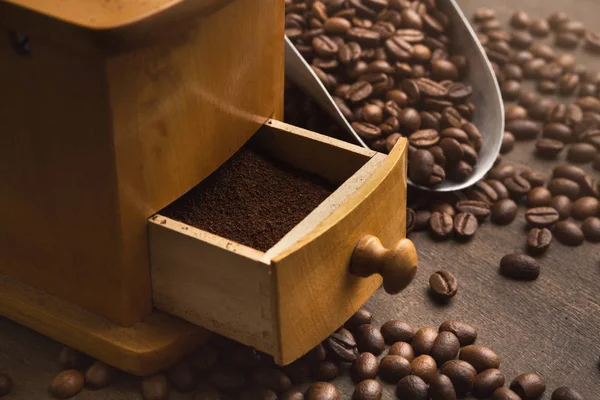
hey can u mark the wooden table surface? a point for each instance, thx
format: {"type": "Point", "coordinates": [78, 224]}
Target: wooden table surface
{"type": "Point", "coordinates": [550, 326]}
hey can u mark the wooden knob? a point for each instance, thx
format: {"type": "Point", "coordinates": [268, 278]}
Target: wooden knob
{"type": "Point", "coordinates": [397, 266]}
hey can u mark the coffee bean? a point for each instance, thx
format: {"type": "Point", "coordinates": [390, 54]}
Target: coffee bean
{"type": "Point", "coordinates": [477, 208]}
{"type": "Point", "coordinates": [368, 389]}
{"type": "Point", "coordinates": [538, 240]}
{"type": "Point", "coordinates": [397, 331]}
{"type": "Point", "coordinates": [360, 317]}
{"type": "Point", "coordinates": [342, 345]}
{"type": "Point", "coordinates": [568, 233]}
{"type": "Point", "coordinates": [461, 373]}
{"type": "Point", "coordinates": [562, 205]}
{"type": "Point", "coordinates": [402, 349]}
{"type": "Point", "coordinates": [324, 46]}
{"type": "Point", "coordinates": [321, 391]}
{"type": "Point", "coordinates": [441, 388]}
{"type": "Point", "coordinates": [483, 192]}
{"type": "Point", "coordinates": [459, 91]}
{"type": "Point", "coordinates": [502, 172]}
{"type": "Point", "coordinates": [591, 229]}
{"type": "Point", "coordinates": [445, 347]}
{"type": "Point", "coordinates": [465, 333]}
{"type": "Point", "coordinates": [529, 386]}
{"type": "Point", "coordinates": [424, 138]}
{"type": "Point", "coordinates": [520, 267]}
{"type": "Point", "coordinates": [568, 83]}
{"type": "Point", "coordinates": [566, 40]}
{"type": "Point", "coordinates": [393, 368]}
{"type": "Point", "coordinates": [520, 20]}
{"type": "Point", "coordinates": [452, 149]}
{"type": "Point", "coordinates": [412, 387]}
{"type": "Point", "coordinates": [480, 357]}
{"type": "Point", "coordinates": [422, 220]}
{"type": "Point", "coordinates": [465, 225]}
{"type": "Point", "coordinates": [540, 110]}
{"type": "Point", "coordinates": [565, 393]}
{"type": "Point", "coordinates": [510, 90]}
{"type": "Point", "coordinates": [542, 217]}
{"type": "Point", "coordinates": [589, 187]}
{"type": "Point", "coordinates": [421, 166]}
{"type": "Point", "coordinates": [443, 284]}
{"type": "Point", "coordinates": [547, 87]}
{"type": "Point", "coordinates": [153, 388]}
{"type": "Point", "coordinates": [558, 131]}
{"type": "Point", "coordinates": [539, 197]}
{"type": "Point", "coordinates": [484, 14]}
{"type": "Point", "coordinates": [325, 371]}
{"type": "Point", "coordinates": [564, 186]}
{"type": "Point", "coordinates": [504, 212]}
{"type": "Point", "coordinates": [549, 148]}
{"type": "Point", "coordinates": [486, 382]}
{"type": "Point", "coordinates": [369, 338]}
{"type": "Point", "coordinates": [67, 384]}
{"type": "Point", "coordinates": [523, 129]}
{"type": "Point", "coordinates": [441, 224]}
{"type": "Point", "coordinates": [514, 112]}
{"type": "Point", "coordinates": [585, 207]}
{"type": "Point", "coordinates": [517, 186]}
{"type": "Point", "coordinates": [424, 367]}
{"type": "Point", "coordinates": [539, 28]}
{"type": "Point", "coordinates": [336, 25]}
{"type": "Point", "coordinates": [592, 41]}
{"type": "Point", "coordinates": [508, 143]}
{"type": "Point", "coordinates": [499, 188]}
{"type": "Point", "coordinates": [581, 153]}
{"type": "Point", "coordinates": [505, 393]}
{"type": "Point", "coordinates": [423, 340]}
{"type": "Point", "coordinates": [366, 366]}
{"type": "Point", "coordinates": [359, 91]}
{"type": "Point", "coordinates": [6, 384]}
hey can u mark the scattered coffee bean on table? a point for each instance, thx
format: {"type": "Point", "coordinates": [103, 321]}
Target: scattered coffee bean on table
{"type": "Point", "coordinates": [538, 240]}
{"type": "Point", "coordinates": [252, 199]}
{"type": "Point", "coordinates": [366, 366]}
{"type": "Point", "coordinates": [397, 331]}
{"type": "Point", "coordinates": [443, 284]}
{"type": "Point", "coordinates": [322, 391]}
{"type": "Point", "coordinates": [464, 332]}
{"type": "Point", "coordinates": [568, 233]}
{"type": "Point", "coordinates": [565, 393]}
{"type": "Point", "coordinates": [99, 375]}
{"type": "Point", "coordinates": [393, 368]}
{"type": "Point", "coordinates": [505, 393]}
{"type": "Point", "coordinates": [67, 384]}
{"type": "Point", "coordinates": [368, 389]}
{"type": "Point", "coordinates": [529, 386]}
{"type": "Point", "coordinates": [519, 266]}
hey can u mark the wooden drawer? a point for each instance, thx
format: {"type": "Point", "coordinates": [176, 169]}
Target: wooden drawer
{"type": "Point", "coordinates": [288, 299]}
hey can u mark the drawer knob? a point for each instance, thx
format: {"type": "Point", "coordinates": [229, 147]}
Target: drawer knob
{"type": "Point", "coordinates": [397, 266]}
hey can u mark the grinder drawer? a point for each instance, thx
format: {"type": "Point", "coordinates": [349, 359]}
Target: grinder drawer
{"type": "Point", "coordinates": [286, 300]}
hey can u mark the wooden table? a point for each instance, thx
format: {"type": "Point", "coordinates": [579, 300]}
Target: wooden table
{"type": "Point", "coordinates": [550, 326]}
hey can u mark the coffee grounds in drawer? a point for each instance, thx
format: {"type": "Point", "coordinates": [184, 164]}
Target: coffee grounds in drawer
{"type": "Point", "coordinates": [252, 199]}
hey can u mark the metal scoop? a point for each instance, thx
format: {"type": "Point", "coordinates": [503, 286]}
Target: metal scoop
{"type": "Point", "coordinates": [488, 117]}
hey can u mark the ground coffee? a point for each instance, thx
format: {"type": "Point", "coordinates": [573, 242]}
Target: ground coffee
{"type": "Point", "coordinates": [252, 199]}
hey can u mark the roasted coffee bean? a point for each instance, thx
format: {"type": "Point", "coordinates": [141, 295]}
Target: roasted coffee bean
{"type": "Point", "coordinates": [538, 240]}
{"type": "Point", "coordinates": [397, 331]}
{"type": "Point", "coordinates": [558, 131]}
{"type": "Point", "coordinates": [424, 138]}
{"type": "Point", "coordinates": [443, 208]}
{"type": "Point", "coordinates": [564, 186]}
{"type": "Point", "coordinates": [565, 393]}
{"type": "Point", "coordinates": [591, 229]}
{"type": "Point", "coordinates": [477, 208]}
{"type": "Point", "coordinates": [540, 110]}
{"type": "Point", "coordinates": [483, 192]}
{"type": "Point", "coordinates": [520, 20]}
{"type": "Point", "coordinates": [585, 207]}
{"type": "Point", "coordinates": [572, 172]}
{"type": "Point", "coordinates": [516, 266]}
{"type": "Point", "coordinates": [487, 382]}
{"type": "Point", "coordinates": [421, 166]}
{"type": "Point", "coordinates": [592, 41]}
{"type": "Point", "coordinates": [443, 283]}
{"type": "Point", "coordinates": [547, 87]}
{"type": "Point", "coordinates": [529, 386]}
{"type": "Point", "coordinates": [508, 143]}
{"type": "Point", "coordinates": [67, 384]}
{"type": "Point", "coordinates": [368, 338]}
{"type": "Point", "coordinates": [336, 25]}
{"type": "Point", "coordinates": [443, 69]}
{"type": "Point", "coordinates": [484, 14]}
{"type": "Point", "coordinates": [562, 205]}
{"type": "Point", "coordinates": [589, 103]}
{"type": "Point", "coordinates": [441, 224]}
{"type": "Point", "coordinates": [372, 114]}
{"type": "Point", "coordinates": [465, 225]}
{"type": "Point", "coordinates": [349, 53]}
{"type": "Point", "coordinates": [549, 148]}
{"type": "Point", "coordinates": [6, 384]}
{"type": "Point", "coordinates": [412, 387]}
{"type": "Point", "coordinates": [480, 357]}
{"type": "Point", "coordinates": [505, 393]}
{"type": "Point", "coordinates": [342, 346]}
{"type": "Point", "coordinates": [460, 172]}
{"type": "Point", "coordinates": [424, 367]}
{"type": "Point", "coordinates": [568, 233]}
{"type": "Point", "coordinates": [510, 90]}
{"type": "Point", "coordinates": [523, 129]}
{"type": "Point", "coordinates": [181, 377]}
{"type": "Point", "coordinates": [539, 197]}
{"type": "Point", "coordinates": [459, 91]}
{"type": "Point", "coordinates": [568, 83]}
{"type": "Point", "coordinates": [517, 186]}
{"type": "Point", "coordinates": [393, 368]}
{"type": "Point", "coordinates": [325, 371]}
{"type": "Point", "coordinates": [461, 373]}
{"type": "Point", "coordinates": [445, 347]}
{"type": "Point", "coordinates": [465, 333]}
{"type": "Point", "coordinates": [531, 71]}
{"type": "Point", "coordinates": [366, 130]}
{"type": "Point", "coordinates": [324, 46]}
{"type": "Point", "coordinates": [550, 71]}
{"type": "Point", "coordinates": [589, 187]}
{"type": "Point", "coordinates": [421, 221]}
{"type": "Point", "coordinates": [359, 91]}
{"type": "Point", "coordinates": [455, 133]}
{"type": "Point", "coordinates": [360, 317]}
{"type": "Point", "coordinates": [402, 349]}
{"type": "Point", "coordinates": [581, 153]}
{"type": "Point", "coordinates": [566, 40]}
{"type": "Point", "coordinates": [514, 112]}
{"type": "Point", "coordinates": [504, 212]}
{"type": "Point", "coordinates": [539, 28]}
{"type": "Point", "coordinates": [368, 389]}
{"type": "Point", "coordinates": [366, 366]}
{"type": "Point", "coordinates": [441, 388]}
{"type": "Point", "coordinates": [153, 388]}
{"type": "Point", "coordinates": [321, 391]}
{"type": "Point", "coordinates": [499, 188]}
{"type": "Point", "coordinates": [502, 172]}
{"type": "Point", "coordinates": [541, 217]}
{"type": "Point", "coordinates": [452, 149]}
{"type": "Point", "coordinates": [423, 340]}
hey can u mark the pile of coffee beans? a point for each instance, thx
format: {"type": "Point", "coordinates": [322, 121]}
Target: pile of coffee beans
{"type": "Point", "coordinates": [390, 68]}
{"type": "Point", "coordinates": [441, 363]}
